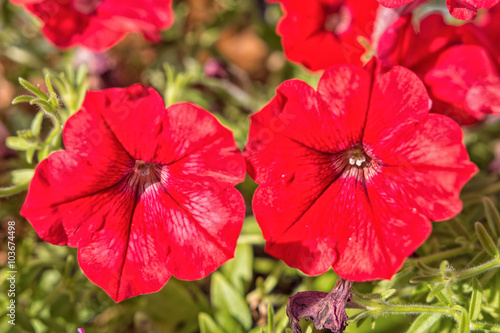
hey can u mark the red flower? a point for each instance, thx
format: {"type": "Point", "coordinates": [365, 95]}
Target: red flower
{"type": "Point", "coordinates": [467, 9]}
{"type": "Point", "coordinates": [462, 79]}
{"type": "Point", "coordinates": [144, 192]}
{"type": "Point", "coordinates": [99, 24]}
{"type": "Point", "coordinates": [459, 9]}
{"type": "Point", "coordinates": [351, 174]}
{"type": "Point", "coordinates": [321, 33]}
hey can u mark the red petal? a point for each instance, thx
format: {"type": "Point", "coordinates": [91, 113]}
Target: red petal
{"type": "Point", "coordinates": [69, 214]}
{"type": "Point", "coordinates": [398, 100]}
{"type": "Point", "coordinates": [430, 149]}
{"type": "Point", "coordinates": [198, 152]}
{"type": "Point", "coordinates": [394, 3]}
{"type": "Point", "coordinates": [462, 10]}
{"type": "Point", "coordinates": [172, 224]}
{"type": "Point", "coordinates": [131, 113]}
{"type": "Point", "coordinates": [293, 117]}
{"type": "Point", "coordinates": [303, 32]}
{"type": "Point", "coordinates": [380, 235]}
{"type": "Point", "coordinates": [465, 78]}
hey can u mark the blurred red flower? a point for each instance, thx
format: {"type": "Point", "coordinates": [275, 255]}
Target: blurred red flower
{"type": "Point", "coordinates": [321, 33]}
{"type": "Point", "coordinates": [459, 9]}
{"type": "Point", "coordinates": [144, 192]}
{"type": "Point", "coordinates": [352, 174]}
{"type": "Point", "coordinates": [462, 79]}
{"type": "Point", "coordinates": [99, 24]}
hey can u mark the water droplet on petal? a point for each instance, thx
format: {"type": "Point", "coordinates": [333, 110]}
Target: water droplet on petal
{"type": "Point", "coordinates": [287, 178]}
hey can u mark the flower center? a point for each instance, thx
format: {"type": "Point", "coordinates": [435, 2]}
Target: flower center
{"type": "Point", "coordinates": [338, 19]}
{"type": "Point", "coordinates": [144, 175]}
{"type": "Point", "coordinates": [356, 162]}
{"type": "Point", "coordinates": [86, 6]}
{"type": "Point", "coordinates": [357, 157]}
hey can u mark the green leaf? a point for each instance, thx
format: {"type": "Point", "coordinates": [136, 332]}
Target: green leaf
{"type": "Point", "coordinates": [18, 143]}
{"type": "Point", "coordinates": [424, 323]}
{"type": "Point", "coordinates": [207, 324]}
{"type": "Point", "coordinates": [426, 269]}
{"type": "Point", "coordinates": [225, 297]}
{"type": "Point", "coordinates": [43, 153]}
{"type": "Point", "coordinates": [227, 323]}
{"type": "Point", "coordinates": [29, 154]}
{"type": "Point", "coordinates": [270, 318]}
{"type": "Point", "coordinates": [464, 325]}
{"type": "Point", "coordinates": [486, 241]}
{"type": "Point", "coordinates": [22, 99]}
{"type": "Point", "coordinates": [33, 89]}
{"type": "Point", "coordinates": [21, 176]}
{"type": "Point", "coordinates": [385, 295]}
{"type": "Point", "coordinates": [36, 124]}
{"type": "Point", "coordinates": [428, 279]}
{"type": "Point", "coordinates": [434, 292]}
{"type": "Point", "coordinates": [239, 270]}
{"type": "Point", "coordinates": [492, 216]}
{"type": "Point", "coordinates": [475, 300]}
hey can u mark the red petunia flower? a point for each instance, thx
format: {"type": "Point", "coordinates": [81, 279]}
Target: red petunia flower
{"type": "Point", "coordinates": [144, 192]}
{"type": "Point", "coordinates": [99, 24]}
{"type": "Point", "coordinates": [459, 9]}
{"type": "Point", "coordinates": [352, 174]}
{"type": "Point", "coordinates": [321, 33]}
{"type": "Point", "coordinates": [462, 79]}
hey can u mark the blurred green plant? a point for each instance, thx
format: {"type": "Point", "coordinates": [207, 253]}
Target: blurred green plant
{"type": "Point", "coordinates": [72, 86]}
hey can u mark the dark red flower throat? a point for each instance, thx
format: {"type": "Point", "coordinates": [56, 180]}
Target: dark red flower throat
{"type": "Point", "coordinates": [338, 18]}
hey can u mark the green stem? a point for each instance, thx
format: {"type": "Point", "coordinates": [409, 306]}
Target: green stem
{"type": "Point", "coordinates": [465, 274]}
{"type": "Point", "coordinates": [14, 189]}
{"type": "Point", "coordinates": [442, 255]}
{"type": "Point", "coordinates": [484, 326]}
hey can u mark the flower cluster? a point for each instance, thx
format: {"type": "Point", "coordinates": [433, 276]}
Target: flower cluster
{"type": "Point", "coordinates": [99, 24]}
{"type": "Point", "coordinates": [351, 174]}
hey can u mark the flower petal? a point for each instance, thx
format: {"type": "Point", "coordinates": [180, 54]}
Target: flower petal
{"type": "Point", "coordinates": [431, 149]}
{"type": "Point", "coordinates": [205, 153]}
{"type": "Point", "coordinates": [398, 100]}
{"type": "Point", "coordinates": [171, 224]}
{"type": "Point", "coordinates": [58, 204]}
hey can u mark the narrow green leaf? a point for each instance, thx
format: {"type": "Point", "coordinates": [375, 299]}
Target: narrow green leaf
{"type": "Point", "coordinates": [426, 269]}
{"type": "Point", "coordinates": [44, 105]}
{"type": "Point", "coordinates": [21, 176]}
{"type": "Point", "coordinates": [49, 84]}
{"type": "Point", "coordinates": [225, 297]}
{"type": "Point", "coordinates": [492, 216]}
{"type": "Point", "coordinates": [36, 124]}
{"type": "Point", "coordinates": [12, 190]}
{"type": "Point", "coordinates": [29, 154]}
{"type": "Point", "coordinates": [387, 294]}
{"type": "Point", "coordinates": [22, 99]}
{"type": "Point", "coordinates": [43, 153]}
{"type": "Point", "coordinates": [310, 328]}
{"type": "Point", "coordinates": [270, 318]}
{"type": "Point", "coordinates": [207, 324]}
{"type": "Point", "coordinates": [33, 89]}
{"type": "Point", "coordinates": [428, 279]}
{"type": "Point", "coordinates": [464, 325]}
{"type": "Point", "coordinates": [239, 270]}
{"type": "Point", "coordinates": [17, 143]}
{"type": "Point", "coordinates": [475, 300]}
{"type": "Point", "coordinates": [424, 323]}
{"type": "Point", "coordinates": [486, 241]}
{"type": "Point", "coordinates": [434, 291]}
